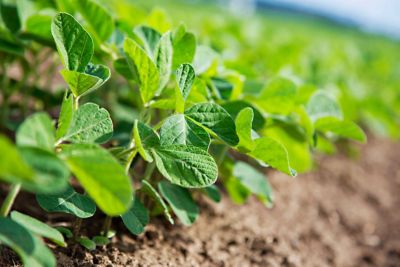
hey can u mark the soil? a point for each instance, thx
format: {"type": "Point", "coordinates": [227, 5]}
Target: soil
{"type": "Point", "coordinates": [345, 213]}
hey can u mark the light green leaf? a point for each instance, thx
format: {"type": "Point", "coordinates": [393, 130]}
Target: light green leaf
{"type": "Point", "coordinates": [185, 76]}
{"type": "Point", "coordinates": [184, 49]}
{"type": "Point", "coordinates": [272, 153]}
{"type": "Point", "coordinates": [13, 169]}
{"type": "Point", "coordinates": [51, 174]}
{"type": "Point", "coordinates": [89, 124]}
{"type": "Point", "coordinates": [236, 190]}
{"type": "Point", "coordinates": [179, 130]}
{"type": "Point", "coordinates": [244, 122]}
{"type": "Point", "coordinates": [99, 21]}
{"type": "Point", "coordinates": [73, 43]}
{"type": "Point", "coordinates": [254, 181]}
{"type": "Point", "coordinates": [101, 175]}
{"type": "Point", "coordinates": [145, 138]}
{"type": "Point", "coordinates": [37, 227]}
{"type": "Point", "coordinates": [160, 205]}
{"type": "Point", "coordinates": [37, 131]}
{"type": "Point", "coordinates": [143, 68]}
{"type": "Point", "coordinates": [163, 60]}
{"type": "Point", "coordinates": [32, 251]}
{"type": "Point", "coordinates": [216, 119]}
{"type": "Point", "coordinates": [66, 114]}
{"type": "Point", "coordinates": [136, 218]}
{"type": "Point", "coordinates": [87, 243]}
{"type": "Point", "coordinates": [346, 129]}
{"type": "Point", "coordinates": [84, 83]}
{"type": "Point", "coordinates": [279, 96]}
{"type": "Point", "coordinates": [187, 166]}
{"type": "Point", "coordinates": [149, 37]}
{"type": "Point", "coordinates": [180, 201]}
{"type": "Point", "coordinates": [68, 201]}
{"type": "Point", "coordinates": [321, 105]}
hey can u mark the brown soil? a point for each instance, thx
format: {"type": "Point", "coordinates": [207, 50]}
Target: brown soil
{"type": "Point", "coordinates": [345, 213]}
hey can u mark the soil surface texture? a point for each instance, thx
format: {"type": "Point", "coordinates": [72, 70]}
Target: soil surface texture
{"type": "Point", "coordinates": [345, 213]}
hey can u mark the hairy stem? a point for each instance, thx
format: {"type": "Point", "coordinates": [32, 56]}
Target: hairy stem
{"type": "Point", "coordinates": [9, 201]}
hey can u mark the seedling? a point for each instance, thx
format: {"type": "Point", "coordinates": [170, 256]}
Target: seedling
{"type": "Point", "coordinates": [192, 120]}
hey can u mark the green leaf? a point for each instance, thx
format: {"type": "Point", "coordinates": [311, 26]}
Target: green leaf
{"type": "Point", "coordinates": [149, 37]}
{"type": "Point", "coordinates": [160, 205]}
{"type": "Point", "coordinates": [84, 83]}
{"type": "Point", "coordinates": [180, 201]}
{"type": "Point", "coordinates": [37, 131]}
{"type": "Point", "coordinates": [184, 49]}
{"type": "Point", "coordinates": [68, 201]}
{"type": "Point", "coordinates": [222, 88]}
{"type": "Point", "coordinates": [89, 124]}
{"type": "Point", "coordinates": [51, 174]}
{"type": "Point", "coordinates": [100, 240]}
{"type": "Point", "coordinates": [272, 153]}
{"type": "Point", "coordinates": [66, 115]}
{"type": "Point", "coordinates": [236, 190]}
{"type": "Point", "coordinates": [254, 181]}
{"type": "Point", "coordinates": [187, 166]}
{"type": "Point", "coordinates": [65, 231]}
{"type": "Point", "coordinates": [136, 218]}
{"type": "Point", "coordinates": [145, 138]}
{"type": "Point", "coordinates": [163, 60]}
{"type": "Point", "coordinates": [13, 169]}
{"type": "Point", "coordinates": [32, 251]}
{"type": "Point", "coordinates": [73, 43]}
{"type": "Point", "coordinates": [101, 175]}
{"type": "Point", "coordinates": [244, 121]}
{"type": "Point", "coordinates": [346, 129]}
{"type": "Point", "coordinates": [213, 192]}
{"type": "Point", "coordinates": [216, 119]}
{"type": "Point", "coordinates": [234, 107]}
{"type": "Point", "coordinates": [9, 15]}
{"type": "Point", "coordinates": [321, 105]}
{"type": "Point", "coordinates": [143, 68]}
{"type": "Point", "coordinates": [87, 243]}
{"type": "Point", "coordinates": [278, 96]}
{"type": "Point", "coordinates": [99, 21]}
{"type": "Point", "coordinates": [185, 76]}
{"type": "Point", "coordinates": [179, 130]}
{"type": "Point", "coordinates": [121, 66]}
{"type": "Point", "coordinates": [37, 227]}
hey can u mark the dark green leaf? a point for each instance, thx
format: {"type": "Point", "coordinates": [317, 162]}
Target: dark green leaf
{"type": "Point", "coordinates": [69, 201]}
{"type": "Point", "coordinates": [160, 205]}
{"type": "Point", "coordinates": [180, 201]}
{"type": "Point", "coordinates": [87, 243]}
{"type": "Point", "coordinates": [187, 166]}
{"type": "Point", "coordinates": [37, 227]}
{"type": "Point", "coordinates": [213, 192]}
{"type": "Point", "coordinates": [179, 130]}
{"type": "Point", "coordinates": [32, 251]}
{"type": "Point", "coordinates": [234, 107]}
{"type": "Point", "coordinates": [145, 138]}
{"type": "Point", "coordinates": [136, 218]}
{"type": "Point", "coordinates": [215, 118]}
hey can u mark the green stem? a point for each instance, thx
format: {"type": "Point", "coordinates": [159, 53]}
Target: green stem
{"type": "Point", "coordinates": [9, 201]}
{"type": "Point", "coordinates": [76, 103]}
{"type": "Point", "coordinates": [149, 170]}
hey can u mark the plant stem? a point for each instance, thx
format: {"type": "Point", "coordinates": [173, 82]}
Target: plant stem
{"type": "Point", "coordinates": [149, 170]}
{"type": "Point", "coordinates": [9, 201]}
{"type": "Point", "coordinates": [76, 228]}
{"type": "Point", "coordinates": [76, 103]}
{"type": "Point", "coordinates": [107, 225]}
